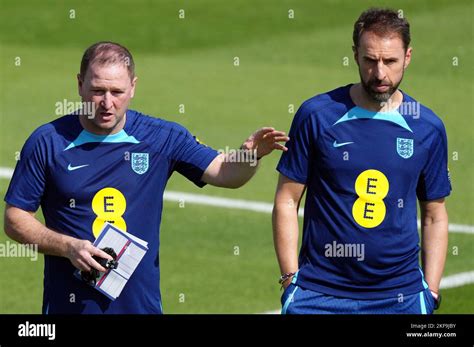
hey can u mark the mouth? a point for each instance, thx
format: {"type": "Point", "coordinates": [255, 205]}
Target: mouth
{"type": "Point", "coordinates": [381, 88]}
{"type": "Point", "coordinates": [106, 116]}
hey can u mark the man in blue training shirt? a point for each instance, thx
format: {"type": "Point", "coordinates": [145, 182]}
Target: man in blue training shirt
{"type": "Point", "coordinates": [110, 164]}
{"type": "Point", "coordinates": [365, 153]}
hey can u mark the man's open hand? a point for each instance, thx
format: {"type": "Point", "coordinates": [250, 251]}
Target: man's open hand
{"type": "Point", "coordinates": [265, 140]}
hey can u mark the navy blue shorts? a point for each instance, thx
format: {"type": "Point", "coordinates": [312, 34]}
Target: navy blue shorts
{"type": "Point", "coordinates": [296, 300]}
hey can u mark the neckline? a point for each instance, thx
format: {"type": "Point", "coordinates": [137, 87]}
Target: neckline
{"type": "Point", "coordinates": [125, 128]}
{"type": "Point", "coordinates": [353, 104]}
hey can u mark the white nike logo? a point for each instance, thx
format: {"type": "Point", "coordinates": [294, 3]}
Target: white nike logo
{"type": "Point", "coordinates": [72, 168]}
{"type": "Point", "coordinates": [335, 144]}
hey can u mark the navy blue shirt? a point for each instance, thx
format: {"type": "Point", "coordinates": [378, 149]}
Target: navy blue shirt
{"type": "Point", "coordinates": [364, 172]}
{"type": "Point", "coordinates": [81, 180]}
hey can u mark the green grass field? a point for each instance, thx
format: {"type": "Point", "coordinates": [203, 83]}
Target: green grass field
{"type": "Point", "coordinates": [191, 61]}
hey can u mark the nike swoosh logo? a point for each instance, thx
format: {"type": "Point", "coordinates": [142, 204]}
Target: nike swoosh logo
{"type": "Point", "coordinates": [72, 168]}
{"type": "Point", "coordinates": [335, 144]}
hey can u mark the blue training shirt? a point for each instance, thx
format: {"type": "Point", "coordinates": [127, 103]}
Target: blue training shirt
{"type": "Point", "coordinates": [81, 180]}
{"type": "Point", "coordinates": [364, 172]}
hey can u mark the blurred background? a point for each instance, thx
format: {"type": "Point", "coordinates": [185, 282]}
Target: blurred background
{"type": "Point", "coordinates": [224, 69]}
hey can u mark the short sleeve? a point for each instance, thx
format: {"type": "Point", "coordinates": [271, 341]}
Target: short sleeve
{"type": "Point", "coordinates": [192, 158]}
{"type": "Point", "coordinates": [28, 182]}
{"type": "Point", "coordinates": [434, 182]}
{"type": "Point", "coordinates": [294, 163]}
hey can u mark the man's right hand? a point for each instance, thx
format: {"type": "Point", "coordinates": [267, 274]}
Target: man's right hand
{"type": "Point", "coordinates": [80, 253]}
{"type": "Point", "coordinates": [23, 227]}
{"type": "Point", "coordinates": [287, 282]}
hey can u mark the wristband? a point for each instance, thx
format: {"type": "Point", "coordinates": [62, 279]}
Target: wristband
{"type": "Point", "coordinates": [285, 277]}
{"type": "Point", "coordinates": [437, 299]}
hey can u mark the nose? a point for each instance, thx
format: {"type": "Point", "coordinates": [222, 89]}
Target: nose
{"type": "Point", "coordinates": [380, 71]}
{"type": "Point", "coordinates": [106, 101]}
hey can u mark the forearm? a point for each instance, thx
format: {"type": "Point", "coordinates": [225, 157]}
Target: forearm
{"type": "Point", "coordinates": [228, 171]}
{"type": "Point", "coordinates": [434, 249]}
{"type": "Point", "coordinates": [24, 228]}
{"type": "Point", "coordinates": [285, 236]}
{"type": "Point", "coordinates": [237, 173]}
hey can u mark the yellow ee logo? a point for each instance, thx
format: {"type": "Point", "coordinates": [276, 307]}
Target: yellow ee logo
{"type": "Point", "coordinates": [109, 205]}
{"type": "Point", "coordinates": [369, 209]}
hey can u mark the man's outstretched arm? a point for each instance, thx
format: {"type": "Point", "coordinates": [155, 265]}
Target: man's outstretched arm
{"type": "Point", "coordinates": [225, 171]}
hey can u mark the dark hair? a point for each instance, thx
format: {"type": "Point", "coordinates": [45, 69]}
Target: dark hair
{"type": "Point", "coordinates": [382, 22]}
{"type": "Point", "coordinates": [104, 53]}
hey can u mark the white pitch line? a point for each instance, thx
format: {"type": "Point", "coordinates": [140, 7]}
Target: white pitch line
{"type": "Point", "coordinates": [218, 202]}
{"type": "Point", "coordinates": [248, 205]}
{"type": "Point", "coordinates": [264, 207]}
{"type": "Point", "coordinates": [6, 172]}
{"type": "Point", "coordinates": [452, 281]}
{"type": "Point", "coordinates": [457, 280]}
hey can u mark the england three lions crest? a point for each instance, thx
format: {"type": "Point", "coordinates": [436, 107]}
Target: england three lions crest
{"type": "Point", "coordinates": [140, 163]}
{"type": "Point", "coordinates": [404, 147]}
